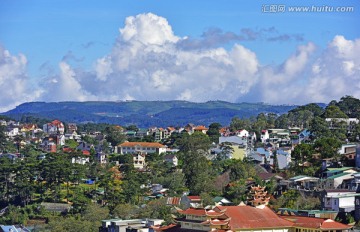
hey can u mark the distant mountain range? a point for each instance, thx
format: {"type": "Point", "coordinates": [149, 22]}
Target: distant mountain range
{"type": "Point", "coordinates": [145, 113]}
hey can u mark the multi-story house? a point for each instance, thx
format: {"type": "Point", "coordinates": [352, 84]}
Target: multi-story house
{"type": "Point", "coordinates": [50, 143]}
{"type": "Point", "coordinates": [139, 160]}
{"type": "Point", "coordinates": [133, 225]}
{"type": "Point", "coordinates": [283, 158]}
{"type": "Point", "coordinates": [348, 151]}
{"type": "Point", "coordinates": [201, 129]}
{"type": "Point", "coordinates": [12, 131]}
{"type": "Point", "coordinates": [101, 158]}
{"type": "Point", "coordinates": [304, 136]}
{"type": "Point", "coordinates": [28, 128]}
{"type": "Point", "coordinates": [264, 136]}
{"type": "Point", "coordinates": [242, 133]}
{"type": "Point", "coordinates": [280, 136]}
{"type": "Point", "coordinates": [335, 123]}
{"type": "Point", "coordinates": [339, 200]}
{"type": "Point", "coordinates": [54, 127]}
{"type": "Point", "coordinates": [334, 177]}
{"type": "Point", "coordinates": [142, 147]}
{"type": "Point", "coordinates": [71, 128]}
{"type": "Point", "coordinates": [172, 159]}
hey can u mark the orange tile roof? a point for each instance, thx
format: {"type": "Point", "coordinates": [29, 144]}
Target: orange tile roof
{"type": "Point", "coordinates": [200, 128]}
{"type": "Point", "coordinates": [316, 223]}
{"type": "Point", "coordinates": [248, 217]}
{"type": "Point", "coordinates": [142, 144]}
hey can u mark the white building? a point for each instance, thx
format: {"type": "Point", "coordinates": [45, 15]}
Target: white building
{"type": "Point", "coordinates": [80, 160]}
{"type": "Point", "coordinates": [139, 225]}
{"type": "Point", "coordinates": [242, 133]}
{"type": "Point", "coordinates": [171, 158]}
{"type": "Point", "coordinates": [12, 131]}
{"type": "Point", "coordinates": [139, 161]}
{"type": "Point", "coordinates": [283, 158]}
{"type": "Point", "coordinates": [340, 201]}
{"type": "Point", "coordinates": [264, 136]}
{"type": "Point", "coordinates": [54, 127]}
{"type": "Point", "coordinates": [101, 158]}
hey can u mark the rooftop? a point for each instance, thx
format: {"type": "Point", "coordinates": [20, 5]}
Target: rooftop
{"type": "Point", "coordinates": [142, 144]}
{"type": "Point", "coordinates": [316, 223]}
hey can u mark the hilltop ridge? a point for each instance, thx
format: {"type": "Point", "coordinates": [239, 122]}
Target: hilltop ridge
{"type": "Point", "coordinates": [145, 113]}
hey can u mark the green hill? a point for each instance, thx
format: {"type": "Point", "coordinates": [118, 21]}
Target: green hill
{"type": "Point", "coordinates": [144, 113]}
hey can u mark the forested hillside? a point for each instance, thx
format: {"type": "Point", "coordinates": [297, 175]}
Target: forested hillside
{"type": "Point", "coordinates": [145, 113]}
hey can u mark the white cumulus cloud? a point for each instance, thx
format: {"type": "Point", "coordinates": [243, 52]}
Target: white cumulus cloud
{"type": "Point", "coordinates": [146, 63]}
{"type": "Point", "coordinates": [15, 86]}
{"type": "Point", "coordinates": [65, 87]}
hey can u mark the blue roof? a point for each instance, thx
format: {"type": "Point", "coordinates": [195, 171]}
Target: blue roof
{"type": "Point", "coordinates": [9, 228]}
{"type": "Point", "coordinates": [262, 151]}
{"type": "Point", "coordinates": [282, 152]}
{"type": "Point", "coordinates": [305, 133]}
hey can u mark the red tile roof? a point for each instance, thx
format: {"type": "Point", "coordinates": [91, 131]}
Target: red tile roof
{"type": "Point", "coordinates": [85, 152]}
{"type": "Point", "coordinates": [142, 144]}
{"type": "Point", "coordinates": [57, 123]}
{"type": "Point", "coordinates": [248, 217]}
{"type": "Point", "coordinates": [158, 228]}
{"type": "Point", "coordinates": [67, 149]}
{"type": "Point", "coordinates": [193, 211]}
{"type": "Point", "coordinates": [213, 213]}
{"type": "Point", "coordinates": [194, 198]}
{"type": "Point", "coordinates": [219, 222]}
{"type": "Point", "coordinates": [316, 223]}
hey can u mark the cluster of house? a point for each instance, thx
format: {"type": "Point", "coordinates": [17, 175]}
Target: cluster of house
{"type": "Point", "coordinates": [277, 143]}
{"type": "Point", "coordinates": [339, 183]}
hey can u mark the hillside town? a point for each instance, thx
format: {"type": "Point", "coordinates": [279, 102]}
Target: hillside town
{"type": "Point", "coordinates": [297, 172]}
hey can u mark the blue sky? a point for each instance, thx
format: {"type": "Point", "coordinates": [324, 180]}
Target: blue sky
{"type": "Point", "coordinates": [187, 50]}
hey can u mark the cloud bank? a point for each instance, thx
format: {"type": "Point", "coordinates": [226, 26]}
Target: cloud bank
{"type": "Point", "coordinates": [15, 85]}
{"type": "Point", "coordinates": [149, 62]}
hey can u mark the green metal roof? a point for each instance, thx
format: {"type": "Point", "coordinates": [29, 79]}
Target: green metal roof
{"type": "Point", "coordinates": [338, 169]}
{"type": "Point", "coordinates": [346, 195]}
{"type": "Point", "coordinates": [297, 177]}
{"type": "Point", "coordinates": [310, 211]}
{"type": "Point", "coordinates": [339, 175]}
